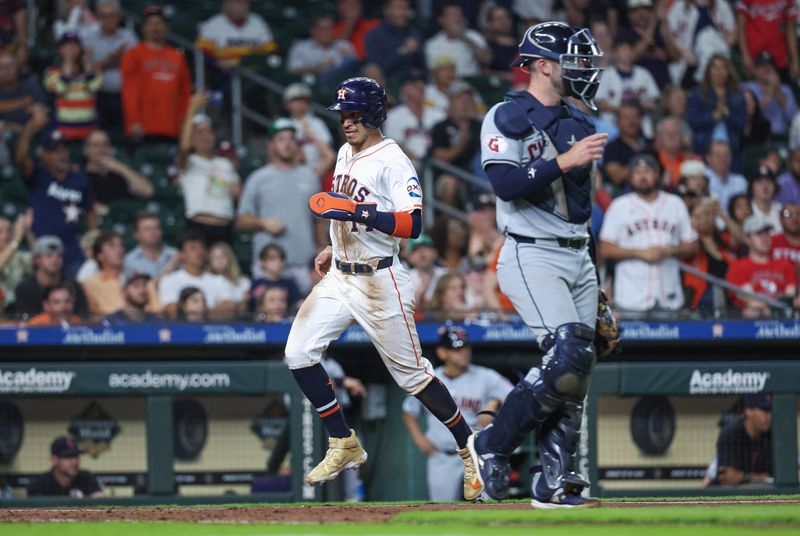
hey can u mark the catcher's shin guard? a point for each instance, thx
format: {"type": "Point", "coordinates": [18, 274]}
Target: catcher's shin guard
{"type": "Point", "coordinates": [557, 441]}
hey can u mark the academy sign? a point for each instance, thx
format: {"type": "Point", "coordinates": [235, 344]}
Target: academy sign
{"type": "Point", "coordinates": [729, 382]}
{"type": "Point", "coordinates": [36, 381]}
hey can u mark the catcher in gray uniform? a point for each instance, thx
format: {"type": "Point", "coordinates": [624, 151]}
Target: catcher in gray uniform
{"type": "Point", "coordinates": [540, 152]}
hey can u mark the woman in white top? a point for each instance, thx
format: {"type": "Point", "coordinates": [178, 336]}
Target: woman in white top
{"type": "Point", "coordinates": [222, 261]}
{"type": "Point", "coordinates": [209, 182]}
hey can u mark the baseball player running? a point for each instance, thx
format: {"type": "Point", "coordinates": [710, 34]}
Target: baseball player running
{"type": "Point", "coordinates": [376, 201]}
{"type": "Point", "coordinates": [475, 389]}
{"type": "Point", "coordinates": [540, 152]}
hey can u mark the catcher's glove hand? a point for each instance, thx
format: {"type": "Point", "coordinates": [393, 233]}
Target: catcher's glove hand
{"type": "Point", "coordinates": [606, 338]}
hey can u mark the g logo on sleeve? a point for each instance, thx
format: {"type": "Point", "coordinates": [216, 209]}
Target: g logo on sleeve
{"type": "Point", "coordinates": [496, 143]}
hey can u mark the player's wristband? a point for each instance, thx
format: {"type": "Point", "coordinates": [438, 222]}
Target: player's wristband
{"type": "Point", "coordinates": [399, 224]}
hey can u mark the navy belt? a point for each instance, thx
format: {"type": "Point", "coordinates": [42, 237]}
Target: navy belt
{"type": "Point", "coordinates": [571, 243]}
{"type": "Point", "coordinates": [347, 267]}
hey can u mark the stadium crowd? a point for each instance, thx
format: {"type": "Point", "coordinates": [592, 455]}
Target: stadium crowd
{"type": "Point", "coordinates": [698, 98]}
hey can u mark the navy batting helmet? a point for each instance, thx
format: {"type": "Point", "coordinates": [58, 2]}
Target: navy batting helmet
{"type": "Point", "coordinates": [362, 95]}
{"type": "Point", "coordinates": [575, 49]}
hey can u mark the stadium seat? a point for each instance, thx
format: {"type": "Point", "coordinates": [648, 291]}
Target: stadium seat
{"type": "Point", "coordinates": [492, 88]}
{"type": "Point", "coordinates": [243, 248]}
{"type": "Point", "coordinates": [156, 153]}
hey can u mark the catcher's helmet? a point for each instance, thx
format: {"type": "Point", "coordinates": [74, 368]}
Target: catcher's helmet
{"type": "Point", "coordinates": [362, 95]}
{"type": "Point", "coordinates": [575, 49]}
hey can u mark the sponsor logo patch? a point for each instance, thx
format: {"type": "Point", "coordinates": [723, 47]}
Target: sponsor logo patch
{"type": "Point", "coordinates": [413, 187]}
{"type": "Point", "coordinates": [497, 144]}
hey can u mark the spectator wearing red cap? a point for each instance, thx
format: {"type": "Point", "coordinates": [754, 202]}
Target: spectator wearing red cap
{"type": "Point", "coordinates": [156, 84]}
{"type": "Point", "coordinates": [59, 193]}
{"type": "Point", "coordinates": [758, 272]}
{"type": "Point", "coordinates": [74, 89]}
{"type": "Point", "coordinates": [65, 477]}
{"type": "Point", "coordinates": [768, 25]}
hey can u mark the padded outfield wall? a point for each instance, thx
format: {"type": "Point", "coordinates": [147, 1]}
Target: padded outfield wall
{"type": "Point", "coordinates": [202, 411]}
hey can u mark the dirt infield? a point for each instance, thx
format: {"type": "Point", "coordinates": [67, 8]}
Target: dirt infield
{"type": "Point", "coordinates": [297, 514]}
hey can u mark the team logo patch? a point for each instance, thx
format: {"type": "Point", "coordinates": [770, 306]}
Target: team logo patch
{"type": "Point", "coordinates": [413, 187]}
{"type": "Point", "coordinates": [341, 93]}
{"type": "Point", "coordinates": [497, 144]}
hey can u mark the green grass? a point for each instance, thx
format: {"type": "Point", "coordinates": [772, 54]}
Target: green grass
{"type": "Point", "coordinates": [741, 515]}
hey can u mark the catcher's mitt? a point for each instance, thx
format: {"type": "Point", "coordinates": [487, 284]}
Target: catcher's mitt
{"type": "Point", "coordinates": [606, 338]}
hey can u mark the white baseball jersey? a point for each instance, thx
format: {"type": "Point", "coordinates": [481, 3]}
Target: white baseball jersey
{"type": "Point", "coordinates": [381, 174]}
{"type": "Point", "coordinates": [631, 222]}
{"type": "Point", "coordinates": [382, 303]}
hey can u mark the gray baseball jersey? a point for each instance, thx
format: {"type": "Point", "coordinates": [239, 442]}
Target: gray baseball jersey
{"type": "Point", "coordinates": [548, 214]}
{"type": "Point", "coordinates": [549, 285]}
{"type": "Point", "coordinates": [471, 391]}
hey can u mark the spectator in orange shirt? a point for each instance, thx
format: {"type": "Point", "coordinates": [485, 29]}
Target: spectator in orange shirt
{"type": "Point", "coordinates": [104, 289]}
{"type": "Point", "coordinates": [759, 273]}
{"type": "Point", "coordinates": [58, 305]}
{"type": "Point", "coordinates": [156, 83]}
{"type": "Point", "coordinates": [352, 25]}
{"type": "Point", "coordinates": [670, 150]}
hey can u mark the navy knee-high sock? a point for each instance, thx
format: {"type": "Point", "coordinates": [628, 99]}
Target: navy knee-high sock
{"type": "Point", "coordinates": [318, 388]}
{"type": "Point", "coordinates": [437, 399]}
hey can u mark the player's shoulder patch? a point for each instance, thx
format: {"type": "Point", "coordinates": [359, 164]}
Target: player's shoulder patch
{"type": "Point", "coordinates": [414, 188]}
{"type": "Point", "coordinates": [511, 121]}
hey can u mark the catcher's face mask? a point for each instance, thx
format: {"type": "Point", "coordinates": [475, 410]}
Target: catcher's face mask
{"type": "Point", "coordinates": [580, 67]}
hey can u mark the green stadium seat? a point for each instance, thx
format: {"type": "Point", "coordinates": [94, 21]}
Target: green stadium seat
{"type": "Point", "coordinates": [492, 88]}
{"type": "Point", "coordinates": [156, 153]}
{"type": "Point", "coordinates": [243, 248]}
